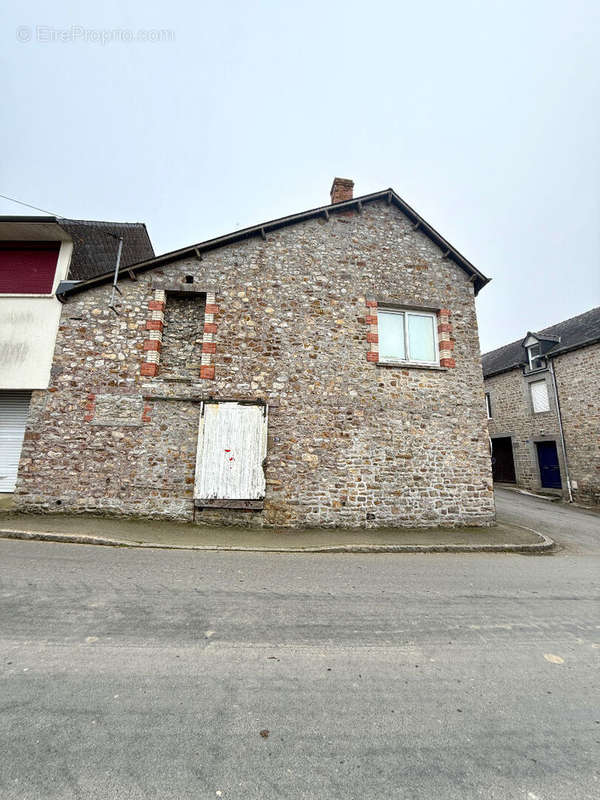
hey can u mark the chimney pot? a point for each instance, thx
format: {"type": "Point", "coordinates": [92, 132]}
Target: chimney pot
{"type": "Point", "coordinates": [341, 190]}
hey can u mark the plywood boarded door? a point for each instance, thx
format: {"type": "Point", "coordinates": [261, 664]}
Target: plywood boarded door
{"type": "Point", "coordinates": [232, 445]}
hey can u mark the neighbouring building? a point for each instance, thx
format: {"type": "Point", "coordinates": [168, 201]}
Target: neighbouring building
{"type": "Point", "coordinates": [38, 255]}
{"type": "Point", "coordinates": [543, 405]}
{"type": "Point", "coordinates": [318, 369]}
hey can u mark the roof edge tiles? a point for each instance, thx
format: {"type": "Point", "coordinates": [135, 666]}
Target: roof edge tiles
{"type": "Point", "coordinates": [478, 278]}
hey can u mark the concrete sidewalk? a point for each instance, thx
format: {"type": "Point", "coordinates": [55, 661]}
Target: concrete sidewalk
{"type": "Point", "coordinates": [82, 529]}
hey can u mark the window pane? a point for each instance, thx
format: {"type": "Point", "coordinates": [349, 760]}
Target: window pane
{"type": "Point", "coordinates": [488, 405]}
{"type": "Point", "coordinates": [421, 340]}
{"type": "Point", "coordinates": [391, 336]}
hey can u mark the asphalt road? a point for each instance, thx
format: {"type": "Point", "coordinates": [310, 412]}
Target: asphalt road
{"type": "Point", "coordinates": [151, 674]}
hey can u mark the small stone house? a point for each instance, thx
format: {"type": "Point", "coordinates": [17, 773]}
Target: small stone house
{"type": "Point", "coordinates": [543, 404]}
{"type": "Point", "coordinates": [321, 369]}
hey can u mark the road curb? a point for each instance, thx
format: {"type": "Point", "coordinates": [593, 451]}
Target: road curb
{"type": "Point", "coordinates": [545, 544]}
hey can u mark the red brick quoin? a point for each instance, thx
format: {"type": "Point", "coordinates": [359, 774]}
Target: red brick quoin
{"type": "Point", "coordinates": [90, 407]}
{"type": "Point", "coordinates": [153, 343]}
{"type": "Point", "coordinates": [372, 335]}
{"type": "Point", "coordinates": [445, 340]}
{"type": "Point", "coordinates": [209, 346]}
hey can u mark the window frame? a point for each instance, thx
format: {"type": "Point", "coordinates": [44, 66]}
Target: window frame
{"type": "Point", "coordinates": [417, 313]}
{"type": "Point", "coordinates": [531, 400]}
{"type": "Point", "coordinates": [488, 405]}
{"type": "Point", "coordinates": [537, 357]}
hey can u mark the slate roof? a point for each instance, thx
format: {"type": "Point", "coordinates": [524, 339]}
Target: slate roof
{"type": "Point", "coordinates": [389, 195]}
{"type": "Point", "coordinates": [574, 333]}
{"type": "Point", "coordinates": [95, 249]}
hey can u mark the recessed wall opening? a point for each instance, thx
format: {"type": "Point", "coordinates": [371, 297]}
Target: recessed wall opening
{"type": "Point", "coordinates": [181, 351]}
{"type": "Point", "coordinates": [503, 464]}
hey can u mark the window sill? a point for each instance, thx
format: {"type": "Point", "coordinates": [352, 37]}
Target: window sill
{"type": "Point", "coordinates": [240, 505]}
{"type": "Point", "coordinates": [410, 365]}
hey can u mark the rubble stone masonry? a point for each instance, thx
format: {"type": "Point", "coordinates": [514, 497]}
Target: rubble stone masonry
{"type": "Point", "coordinates": [351, 442]}
{"type": "Point", "coordinates": [512, 416]}
{"type": "Point", "coordinates": [578, 382]}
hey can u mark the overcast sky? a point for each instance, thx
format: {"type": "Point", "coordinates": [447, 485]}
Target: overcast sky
{"type": "Point", "coordinates": [484, 116]}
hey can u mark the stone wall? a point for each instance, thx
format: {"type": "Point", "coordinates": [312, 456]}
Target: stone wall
{"type": "Point", "coordinates": [578, 382]}
{"type": "Point", "coordinates": [351, 443]}
{"type": "Point", "coordinates": [512, 415]}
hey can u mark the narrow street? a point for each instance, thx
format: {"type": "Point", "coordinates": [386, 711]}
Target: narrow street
{"type": "Point", "coordinates": [164, 674]}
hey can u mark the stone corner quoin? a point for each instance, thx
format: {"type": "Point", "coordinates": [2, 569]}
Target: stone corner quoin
{"type": "Point", "coordinates": [289, 320]}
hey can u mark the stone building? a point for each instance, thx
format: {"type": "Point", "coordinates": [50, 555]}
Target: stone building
{"type": "Point", "coordinates": [543, 404]}
{"type": "Point", "coordinates": [318, 369]}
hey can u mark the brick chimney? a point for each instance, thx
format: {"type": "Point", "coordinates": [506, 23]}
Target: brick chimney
{"type": "Point", "coordinates": [341, 190]}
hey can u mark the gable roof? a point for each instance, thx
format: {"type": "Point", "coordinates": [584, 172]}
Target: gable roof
{"type": "Point", "coordinates": [478, 278]}
{"type": "Point", "coordinates": [95, 246]}
{"type": "Point", "coordinates": [573, 333]}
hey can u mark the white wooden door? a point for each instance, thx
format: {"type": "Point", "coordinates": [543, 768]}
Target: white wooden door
{"type": "Point", "coordinates": [14, 408]}
{"type": "Point", "coordinates": [232, 445]}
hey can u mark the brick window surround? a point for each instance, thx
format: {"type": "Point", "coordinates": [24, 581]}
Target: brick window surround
{"type": "Point", "coordinates": [209, 347]}
{"type": "Point", "coordinates": [445, 340]}
{"type": "Point", "coordinates": [154, 334]}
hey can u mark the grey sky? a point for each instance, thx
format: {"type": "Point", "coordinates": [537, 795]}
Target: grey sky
{"type": "Point", "coordinates": [484, 116]}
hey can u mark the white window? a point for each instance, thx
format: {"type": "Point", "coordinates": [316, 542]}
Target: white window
{"type": "Point", "coordinates": [535, 358]}
{"type": "Point", "coordinates": [539, 396]}
{"type": "Point", "coordinates": [407, 336]}
{"type": "Point", "coordinates": [488, 405]}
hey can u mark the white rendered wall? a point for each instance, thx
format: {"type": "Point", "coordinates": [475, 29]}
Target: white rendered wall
{"type": "Point", "coordinates": [28, 328]}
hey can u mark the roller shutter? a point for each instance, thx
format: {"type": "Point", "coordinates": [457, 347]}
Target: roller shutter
{"type": "Point", "coordinates": [28, 267]}
{"type": "Point", "coordinates": [14, 408]}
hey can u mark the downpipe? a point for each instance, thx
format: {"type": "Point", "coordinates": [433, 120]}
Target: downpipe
{"type": "Point", "coordinates": [560, 427]}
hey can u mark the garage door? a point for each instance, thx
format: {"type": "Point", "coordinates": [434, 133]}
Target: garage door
{"type": "Point", "coordinates": [14, 408]}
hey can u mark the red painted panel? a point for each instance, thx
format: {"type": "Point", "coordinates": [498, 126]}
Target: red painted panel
{"type": "Point", "coordinates": [27, 267]}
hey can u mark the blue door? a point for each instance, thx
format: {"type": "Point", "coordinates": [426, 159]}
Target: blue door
{"type": "Point", "coordinates": [549, 468]}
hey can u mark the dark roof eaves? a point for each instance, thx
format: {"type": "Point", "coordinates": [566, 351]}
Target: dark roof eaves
{"type": "Point", "coordinates": [265, 227]}
{"type": "Point", "coordinates": [46, 219]}
{"type": "Point", "coordinates": [577, 346]}
{"type": "Point", "coordinates": [495, 372]}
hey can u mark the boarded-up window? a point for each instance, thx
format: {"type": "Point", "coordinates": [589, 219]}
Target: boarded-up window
{"type": "Point", "coordinates": [232, 445]}
{"type": "Point", "coordinates": [539, 396]}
